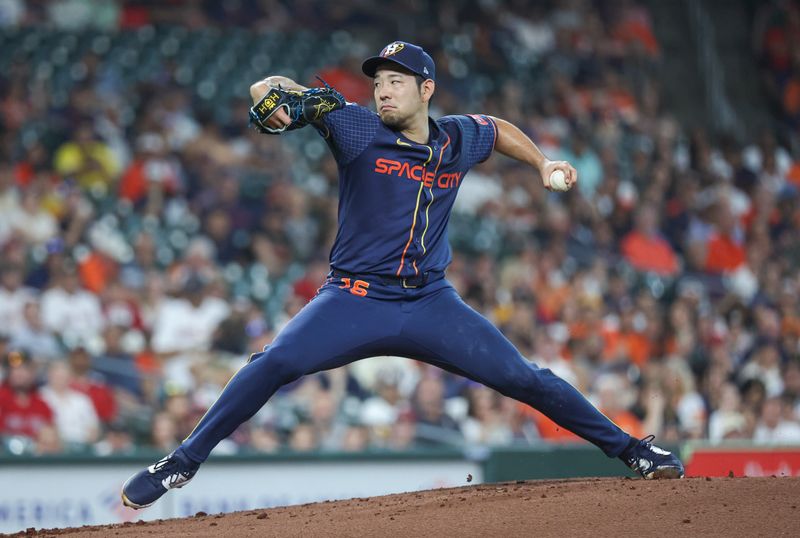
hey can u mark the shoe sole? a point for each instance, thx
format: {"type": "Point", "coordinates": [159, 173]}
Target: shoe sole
{"type": "Point", "coordinates": [665, 473]}
{"type": "Point", "coordinates": [126, 501]}
{"type": "Point", "coordinates": [130, 504]}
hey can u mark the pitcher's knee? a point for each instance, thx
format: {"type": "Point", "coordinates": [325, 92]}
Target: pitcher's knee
{"type": "Point", "coordinates": [279, 363]}
{"type": "Point", "coordinates": [529, 381]}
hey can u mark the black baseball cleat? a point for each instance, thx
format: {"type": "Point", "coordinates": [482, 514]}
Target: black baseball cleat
{"type": "Point", "coordinates": [148, 485]}
{"type": "Point", "coordinates": [651, 461]}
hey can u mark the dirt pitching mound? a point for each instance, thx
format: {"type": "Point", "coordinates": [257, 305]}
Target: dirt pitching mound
{"type": "Point", "coordinates": [583, 507]}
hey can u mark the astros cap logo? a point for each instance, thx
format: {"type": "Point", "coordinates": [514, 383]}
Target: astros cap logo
{"type": "Point", "coordinates": [394, 48]}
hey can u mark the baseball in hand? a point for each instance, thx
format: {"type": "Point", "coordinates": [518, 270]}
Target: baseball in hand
{"type": "Point", "coordinates": [558, 181]}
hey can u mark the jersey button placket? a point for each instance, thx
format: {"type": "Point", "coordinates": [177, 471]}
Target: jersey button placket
{"type": "Point", "coordinates": [414, 252]}
{"type": "Point", "coordinates": [426, 199]}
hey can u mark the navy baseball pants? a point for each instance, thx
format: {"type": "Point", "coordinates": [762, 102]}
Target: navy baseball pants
{"type": "Point", "coordinates": [350, 320]}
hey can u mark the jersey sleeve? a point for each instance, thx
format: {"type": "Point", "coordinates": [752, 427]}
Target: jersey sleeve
{"type": "Point", "coordinates": [348, 131]}
{"type": "Point", "coordinates": [479, 134]}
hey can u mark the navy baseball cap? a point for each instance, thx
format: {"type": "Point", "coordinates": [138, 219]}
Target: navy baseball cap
{"type": "Point", "coordinates": [410, 56]}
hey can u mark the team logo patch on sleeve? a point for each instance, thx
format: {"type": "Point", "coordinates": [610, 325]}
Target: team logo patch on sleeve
{"type": "Point", "coordinates": [479, 119]}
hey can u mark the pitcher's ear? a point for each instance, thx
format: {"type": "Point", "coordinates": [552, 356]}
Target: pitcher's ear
{"type": "Point", "coordinates": [426, 90]}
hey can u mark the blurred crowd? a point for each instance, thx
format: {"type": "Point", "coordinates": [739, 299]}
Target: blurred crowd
{"type": "Point", "coordinates": [150, 241]}
{"type": "Point", "coordinates": [777, 45]}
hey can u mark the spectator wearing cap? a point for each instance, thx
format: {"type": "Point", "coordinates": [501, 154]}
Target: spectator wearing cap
{"type": "Point", "coordinates": [116, 364]}
{"type": "Point", "coordinates": [86, 381]}
{"type": "Point", "coordinates": [184, 326]}
{"type": "Point", "coordinates": [75, 417]}
{"type": "Point", "coordinates": [71, 311]}
{"type": "Point", "coordinates": [34, 336]}
{"type": "Point", "coordinates": [22, 410]}
{"type": "Point", "coordinates": [40, 276]}
{"type": "Point", "coordinates": [187, 323]}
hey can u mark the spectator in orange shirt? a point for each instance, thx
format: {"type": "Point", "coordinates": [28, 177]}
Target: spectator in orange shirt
{"type": "Point", "coordinates": [153, 174]}
{"type": "Point", "coordinates": [634, 27]}
{"type": "Point", "coordinates": [348, 79]}
{"type": "Point", "coordinates": [614, 398]}
{"type": "Point", "coordinates": [549, 430]}
{"type": "Point", "coordinates": [627, 341]}
{"type": "Point", "coordinates": [725, 247]}
{"type": "Point", "coordinates": [645, 248]}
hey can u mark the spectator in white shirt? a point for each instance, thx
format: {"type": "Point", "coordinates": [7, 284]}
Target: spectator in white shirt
{"type": "Point", "coordinates": [13, 296]}
{"type": "Point", "coordinates": [187, 323]}
{"type": "Point", "coordinates": [9, 202]}
{"type": "Point", "coordinates": [772, 428]}
{"type": "Point", "coordinates": [183, 327]}
{"type": "Point", "coordinates": [75, 417]}
{"type": "Point", "coordinates": [33, 336]}
{"type": "Point", "coordinates": [31, 221]}
{"type": "Point", "coordinates": [70, 310]}
{"type": "Point", "coordinates": [727, 420]}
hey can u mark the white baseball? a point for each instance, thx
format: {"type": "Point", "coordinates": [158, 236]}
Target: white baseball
{"type": "Point", "coordinates": [558, 181]}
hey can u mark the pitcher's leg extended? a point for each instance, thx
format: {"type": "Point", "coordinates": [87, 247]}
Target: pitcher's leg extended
{"type": "Point", "coordinates": [459, 338]}
{"type": "Point", "coordinates": [332, 330]}
{"type": "Point", "coordinates": [454, 336]}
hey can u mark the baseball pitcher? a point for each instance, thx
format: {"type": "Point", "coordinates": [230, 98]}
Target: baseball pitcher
{"type": "Point", "coordinates": [386, 293]}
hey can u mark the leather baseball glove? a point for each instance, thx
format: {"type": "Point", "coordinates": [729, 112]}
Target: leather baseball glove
{"type": "Point", "coordinates": [303, 107]}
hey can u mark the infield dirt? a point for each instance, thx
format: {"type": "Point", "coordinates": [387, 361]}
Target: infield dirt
{"type": "Point", "coordinates": [582, 507]}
